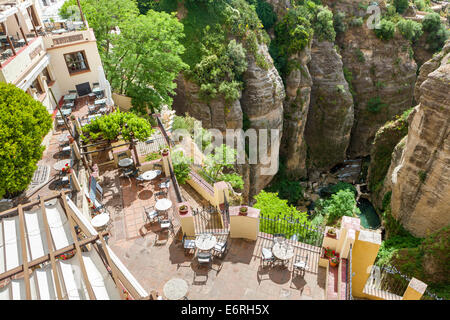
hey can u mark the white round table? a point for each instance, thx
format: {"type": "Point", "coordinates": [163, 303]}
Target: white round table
{"type": "Point", "coordinates": [175, 289]}
{"type": "Point", "coordinates": [163, 204]}
{"type": "Point", "coordinates": [149, 175]}
{"type": "Point", "coordinates": [64, 137]}
{"type": "Point", "coordinates": [125, 162]}
{"type": "Point", "coordinates": [58, 166]}
{"type": "Point", "coordinates": [205, 242]}
{"type": "Point", "coordinates": [283, 251]}
{"type": "Point", "coordinates": [100, 220]}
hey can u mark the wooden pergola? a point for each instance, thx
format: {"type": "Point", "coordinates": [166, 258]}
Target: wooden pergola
{"type": "Point", "coordinates": [121, 282]}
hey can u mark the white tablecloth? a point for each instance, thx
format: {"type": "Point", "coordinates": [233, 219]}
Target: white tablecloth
{"type": "Point", "coordinates": [100, 220]}
{"type": "Point", "coordinates": [205, 242]}
{"type": "Point", "coordinates": [149, 175]}
{"type": "Point", "coordinates": [175, 289]}
{"type": "Point", "coordinates": [283, 251]}
{"type": "Point", "coordinates": [125, 162]}
{"type": "Point", "coordinates": [58, 166]}
{"type": "Point", "coordinates": [163, 204]}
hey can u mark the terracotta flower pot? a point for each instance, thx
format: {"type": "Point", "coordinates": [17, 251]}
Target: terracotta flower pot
{"type": "Point", "coordinates": [165, 152]}
{"type": "Point", "coordinates": [333, 264]}
{"type": "Point", "coordinates": [243, 211]}
{"type": "Point", "coordinates": [183, 210]}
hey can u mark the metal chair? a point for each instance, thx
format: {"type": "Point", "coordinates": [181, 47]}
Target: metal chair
{"type": "Point", "coordinates": [267, 256]}
{"type": "Point", "coordinates": [204, 259]}
{"type": "Point", "coordinates": [165, 224]}
{"type": "Point", "coordinates": [151, 215]}
{"type": "Point", "coordinates": [220, 249]}
{"type": "Point", "coordinates": [160, 193]}
{"type": "Point", "coordinates": [301, 264]}
{"type": "Point", "coordinates": [188, 243]}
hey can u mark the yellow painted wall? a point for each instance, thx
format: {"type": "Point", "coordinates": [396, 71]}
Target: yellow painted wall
{"type": "Point", "coordinates": [123, 102]}
{"type": "Point", "coordinates": [364, 252]}
{"type": "Point", "coordinates": [187, 225]}
{"type": "Point", "coordinates": [244, 227]}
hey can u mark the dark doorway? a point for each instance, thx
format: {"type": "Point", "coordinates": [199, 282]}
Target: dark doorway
{"type": "Point", "coordinates": [83, 89]}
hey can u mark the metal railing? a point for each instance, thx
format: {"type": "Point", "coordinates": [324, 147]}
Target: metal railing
{"type": "Point", "coordinates": [292, 229]}
{"type": "Point", "coordinates": [202, 182]}
{"type": "Point", "coordinates": [209, 220]}
{"type": "Point", "coordinates": [349, 295]}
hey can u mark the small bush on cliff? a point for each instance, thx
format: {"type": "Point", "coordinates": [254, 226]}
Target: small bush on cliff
{"type": "Point", "coordinates": [323, 25]}
{"type": "Point", "coordinates": [375, 105]}
{"type": "Point", "coordinates": [386, 30]}
{"type": "Point", "coordinates": [339, 22]}
{"type": "Point", "coordinates": [410, 29]}
{"type": "Point", "coordinates": [265, 12]}
{"type": "Point", "coordinates": [401, 5]}
{"type": "Point", "coordinates": [437, 32]}
{"type": "Point", "coordinates": [356, 22]}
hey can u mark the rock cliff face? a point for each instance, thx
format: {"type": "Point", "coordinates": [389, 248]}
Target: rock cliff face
{"type": "Point", "coordinates": [421, 179]}
{"type": "Point", "coordinates": [383, 80]}
{"type": "Point", "coordinates": [330, 116]}
{"type": "Point", "coordinates": [262, 101]}
{"type": "Point", "coordinates": [296, 106]}
{"type": "Point", "coordinates": [214, 114]}
{"type": "Point", "coordinates": [385, 150]}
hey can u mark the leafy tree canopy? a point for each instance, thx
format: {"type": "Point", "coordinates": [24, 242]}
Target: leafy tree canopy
{"type": "Point", "coordinates": [117, 124]}
{"type": "Point", "coordinates": [23, 124]}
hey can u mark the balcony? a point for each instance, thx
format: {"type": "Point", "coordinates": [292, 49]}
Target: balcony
{"type": "Point", "coordinates": [12, 66]}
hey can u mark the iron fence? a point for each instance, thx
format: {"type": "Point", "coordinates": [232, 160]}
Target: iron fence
{"type": "Point", "coordinates": [292, 229]}
{"type": "Point", "coordinates": [389, 279]}
{"type": "Point", "coordinates": [209, 220]}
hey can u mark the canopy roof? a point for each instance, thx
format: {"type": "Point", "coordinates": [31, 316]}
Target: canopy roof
{"type": "Point", "coordinates": [35, 239]}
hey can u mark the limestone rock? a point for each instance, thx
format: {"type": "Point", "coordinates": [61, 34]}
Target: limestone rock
{"type": "Point", "coordinates": [330, 116]}
{"type": "Point", "coordinates": [421, 181]}
{"type": "Point", "coordinates": [262, 101]}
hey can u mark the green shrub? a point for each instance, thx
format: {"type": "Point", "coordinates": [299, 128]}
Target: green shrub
{"type": "Point", "coordinates": [186, 123]}
{"type": "Point", "coordinates": [422, 176]}
{"type": "Point", "coordinates": [431, 22]}
{"type": "Point", "coordinates": [342, 203]}
{"type": "Point", "coordinates": [410, 29]}
{"type": "Point", "coordinates": [375, 104]}
{"type": "Point", "coordinates": [339, 22]}
{"type": "Point", "coordinates": [420, 4]}
{"type": "Point", "coordinates": [392, 245]}
{"type": "Point", "coordinates": [323, 26]}
{"type": "Point", "coordinates": [401, 5]}
{"type": "Point", "coordinates": [266, 14]}
{"type": "Point", "coordinates": [153, 156]}
{"type": "Point", "coordinates": [335, 188]}
{"type": "Point", "coordinates": [356, 22]}
{"type": "Point", "coordinates": [236, 181]}
{"type": "Point", "coordinates": [181, 166]}
{"type": "Point", "coordinates": [274, 208]}
{"type": "Point", "coordinates": [386, 30]}
{"type": "Point", "coordinates": [24, 122]}
{"type": "Point", "coordinates": [360, 55]}
{"type": "Point", "coordinates": [437, 32]}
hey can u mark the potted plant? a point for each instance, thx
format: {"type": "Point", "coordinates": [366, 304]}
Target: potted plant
{"type": "Point", "coordinates": [334, 260]}
{"type": "Point", "coordinates": [331, 232]}
{"type": "Point", "coordinates": [243, 210]}
{"type": "Point", "coordinates": [328, 253]}
{"type": "Point", "coordinates": [165, 152]}
{"type": "Point", "coordinates": [183, 209]}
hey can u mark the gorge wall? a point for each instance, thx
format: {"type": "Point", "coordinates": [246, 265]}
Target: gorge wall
{"type": "Point", "coordinates": [419, 177]}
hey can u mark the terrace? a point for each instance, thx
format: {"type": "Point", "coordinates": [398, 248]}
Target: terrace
{"type": "Point", "coordinates": [154, 254]}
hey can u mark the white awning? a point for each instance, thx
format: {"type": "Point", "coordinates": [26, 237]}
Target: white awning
{"type": "Point", "coordinates": [31, 76]}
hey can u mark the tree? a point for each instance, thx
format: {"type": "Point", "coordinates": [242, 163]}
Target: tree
{"type": "Point", "coordinates": [23, 124]}
{"type": "Point", "coordinates": [342, 203]}
{"type": "Point", "coordinates": [437, 32]}
{"type": "Point", "coordinates": [117, 124]}
{"type": "Point", "coordinates": [145, 60]}
{"type": "Point", "coordinates": [323, 25]}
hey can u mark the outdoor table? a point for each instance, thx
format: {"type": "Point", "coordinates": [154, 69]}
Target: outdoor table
{"type": "Point", "coordinates": [93, 117]}
{"type": "Point", "coordinates": [58, 166]}
{"type": "Point", "coordinates": [125, 162]}
{"type": "Point", "coordinates": [283, 251]}
{"type": "Point", "coordinates": [68, 104]}
{"type": "Point", "coordinates": [205, 242]}
{"type": "Point", "coordinates": [64, 137]}
{"type": "Point", "coordinates": [64, 112]}
{"type": "Point", "coordinates": [100, 101]}
{"type": "Point", "coordinates": [59, 31]}
{"type": "Point", "coordinates": [70, 96]}
{"type": "Point", "coordinates": [175, 289]}
{"type": "Point", "coordinates": [149, 175]}
{"type": "Point", "coordinates": [100, 221]}
{"type": "Point", "coordinates": [163, 204]}
{"type": "Point", "coordinates": [97, 90]}
{"type": "Point", "coordinates": [103, 110]}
